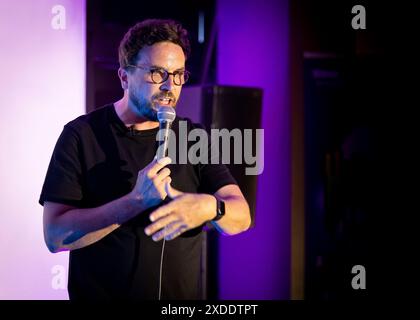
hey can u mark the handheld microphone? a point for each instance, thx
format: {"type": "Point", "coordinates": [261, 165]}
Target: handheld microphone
{"type": "Point", "coordinates": [165, 116]}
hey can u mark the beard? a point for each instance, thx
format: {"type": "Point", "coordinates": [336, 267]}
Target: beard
{"type": "Point", "coordinates": [148, 109]}
{"type": "Point", "coordinates": [143, 107]}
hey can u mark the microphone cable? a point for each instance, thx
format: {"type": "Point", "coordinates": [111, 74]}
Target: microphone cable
{"type": "Point", "coordinates": [161, 268]}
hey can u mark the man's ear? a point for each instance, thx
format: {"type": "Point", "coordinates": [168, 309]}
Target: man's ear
{"type": "Point", "coordinates": [123, 75]}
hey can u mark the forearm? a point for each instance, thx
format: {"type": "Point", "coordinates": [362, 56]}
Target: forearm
{"type": "Point", "coordinates": [237, 216]}
{"type": "Point", "coordinates": [190, 210]}
{"type": "Point", "coordinates": [77, 228]}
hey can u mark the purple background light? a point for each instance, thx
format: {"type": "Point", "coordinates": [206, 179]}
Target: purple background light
{"type": "Point", "coordinates": [253, 44]}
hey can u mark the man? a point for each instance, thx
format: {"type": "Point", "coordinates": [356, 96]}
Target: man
{"type": "Point", "coordinates": [115, 207]}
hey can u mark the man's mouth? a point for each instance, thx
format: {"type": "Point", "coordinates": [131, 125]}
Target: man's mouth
{"type": "Point", "coordinates": [165, 102]}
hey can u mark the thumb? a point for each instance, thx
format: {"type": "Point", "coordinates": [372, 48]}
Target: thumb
{"type": "Point", "coordinates": [172, 192]}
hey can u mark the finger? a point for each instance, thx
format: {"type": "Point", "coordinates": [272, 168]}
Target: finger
{"type": "Point", "coordinates": [165, 181]}
{"type": "Point", "coordinates": [157, 165]}
{"type": "Point", "coordinates": [164, 173]}
{"type": "Point", "coordinates": [160, 224]}
{"type": "Point", "coordinates": [161, 211]}
{"type": "Point", "coordinates": [161, 185]}
{"type": "Point", "coordinates": [176, 233]}
{"type": "Point", "coordinates": [164, 161]}
{"type": "Point", "coordinates": [169, 229]}
{"type": "Point", "coordinates": [171, 191]}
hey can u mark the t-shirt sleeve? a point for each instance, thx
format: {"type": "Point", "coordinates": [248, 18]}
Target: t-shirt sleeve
{"type": "Point", "coordinates": [214, 177]}
{"type": "Point", "coordinates": [63, 179]}
{"type": "Point", "coordinates": [213, 174]}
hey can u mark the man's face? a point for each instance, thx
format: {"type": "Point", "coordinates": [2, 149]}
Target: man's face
{"type": "Point", "coordinates": [144, 95]}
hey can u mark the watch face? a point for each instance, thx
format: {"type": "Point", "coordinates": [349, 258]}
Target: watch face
{"type": "Point", "coordinates": [222, 207]}
{"type": "Point", "coordinates": [220, 212]}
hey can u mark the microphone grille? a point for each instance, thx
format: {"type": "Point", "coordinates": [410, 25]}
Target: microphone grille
{"type": "Point", "coordinates": [166, 114]}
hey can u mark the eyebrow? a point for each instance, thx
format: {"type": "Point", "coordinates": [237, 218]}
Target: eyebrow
{"type": "Point", "coordinates": [159, 67]}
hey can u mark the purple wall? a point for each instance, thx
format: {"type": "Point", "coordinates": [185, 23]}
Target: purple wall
{"type": "Point", "coordinates": [253, 40]}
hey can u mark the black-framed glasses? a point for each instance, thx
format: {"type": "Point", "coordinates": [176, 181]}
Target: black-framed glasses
{"type": "Point", "coordinates": [160, 75]}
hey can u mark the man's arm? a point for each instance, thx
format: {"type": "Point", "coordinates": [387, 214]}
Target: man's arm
{"type": "Point", "coordinates": [237, 216]}
{"type": "Point", "coordinates": [69, 228]}
{"type": "Point", "coordinates": [190, 210]}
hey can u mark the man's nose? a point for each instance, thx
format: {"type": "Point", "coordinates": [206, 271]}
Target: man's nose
{"type": "Point", "coordinates": [169, 84]}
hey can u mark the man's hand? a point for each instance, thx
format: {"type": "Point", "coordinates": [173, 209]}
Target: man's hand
{"type": "Point", "coordinates": [150, 184]}
{"type": "Point", "coordinates": [186, 211]}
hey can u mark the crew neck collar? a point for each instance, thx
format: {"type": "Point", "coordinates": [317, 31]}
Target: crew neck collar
{"type": "Point", "coordinates": [129, 130]}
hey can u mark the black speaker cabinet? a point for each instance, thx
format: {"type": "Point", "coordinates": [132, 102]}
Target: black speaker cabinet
{"type": "Point", "coordinates": [229, 107]}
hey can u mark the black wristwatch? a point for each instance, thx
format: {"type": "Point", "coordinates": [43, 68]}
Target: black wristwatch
{"type": "Point", "coordinates": [220, 210]}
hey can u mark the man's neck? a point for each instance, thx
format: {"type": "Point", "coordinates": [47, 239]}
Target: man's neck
{"type": "Point", "coordinates": [130, 119]}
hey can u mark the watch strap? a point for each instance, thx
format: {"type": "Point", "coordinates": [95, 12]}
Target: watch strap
{"type": "Point", "coordinates": [220, 209]}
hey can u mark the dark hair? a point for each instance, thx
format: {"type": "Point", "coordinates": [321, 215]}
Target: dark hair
{"type": "Point", "coordinates": [149, 32]}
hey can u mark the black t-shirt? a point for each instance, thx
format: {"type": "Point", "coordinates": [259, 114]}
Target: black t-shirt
{"type": "Point", "coordinates": [96, 160]}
